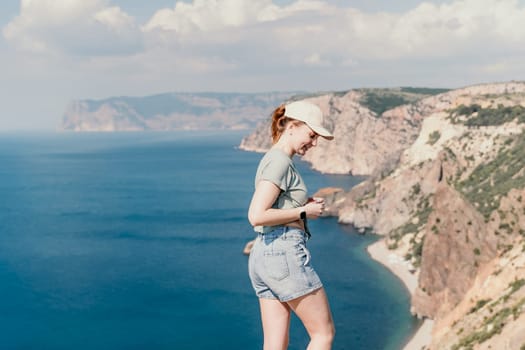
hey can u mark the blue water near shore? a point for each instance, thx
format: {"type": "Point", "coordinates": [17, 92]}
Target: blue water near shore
{"type": "Point", "coordinates": [134, 241]}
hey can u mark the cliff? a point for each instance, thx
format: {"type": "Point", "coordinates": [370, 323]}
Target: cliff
{"type": "Point", "coordinates": [445, 187]}
{"type": "Point", "coordinates": [172, 111]}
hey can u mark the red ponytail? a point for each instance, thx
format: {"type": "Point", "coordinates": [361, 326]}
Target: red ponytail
{"type": "Point", "coordinates": [279, 122]}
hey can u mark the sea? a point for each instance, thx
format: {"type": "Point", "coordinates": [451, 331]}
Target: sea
{"type": "Point", "coordinates": [135, 240]}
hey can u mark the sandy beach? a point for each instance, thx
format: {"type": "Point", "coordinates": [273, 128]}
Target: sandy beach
{"type": "Point", "coordinates": [395, 263]}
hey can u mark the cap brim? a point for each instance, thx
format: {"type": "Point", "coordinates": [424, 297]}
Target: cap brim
{"type": "Point", "coordinates": [321, 131]}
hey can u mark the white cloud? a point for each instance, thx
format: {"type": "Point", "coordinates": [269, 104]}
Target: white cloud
{"type": "Point", "coordinates": [242, 39]}
{"type": "Point", "coordinates": [457, 28]}
{"type": "Point", "coordinates": [209, 15]}
{"type": "Point", "coordinates": [72, 27]}
{"type": "Point", "coordinates": [114, 18]}
{"type": "Point", "coordinates": [296, 32]}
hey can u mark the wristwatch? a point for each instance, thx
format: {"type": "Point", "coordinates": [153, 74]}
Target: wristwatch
{"type": "Point", "coordinates": [303, 215]}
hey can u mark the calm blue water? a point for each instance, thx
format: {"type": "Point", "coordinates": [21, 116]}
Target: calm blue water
{"type": "Point", "coordinates": [134, 241]}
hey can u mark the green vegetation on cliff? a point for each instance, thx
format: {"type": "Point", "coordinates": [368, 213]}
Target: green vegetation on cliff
{"type": "Point", "coordinates": [433, 137]}
{"type": "Point", "coordinates": [423, 91]}
{"type": "Point", "coordinates": [494, 324]}
{"type": "Point", "coordinates": [490, 181]}
{"type": "Point", "coordinates": [413, 226]}
{"type": "Point", "coordinates": [477, 116]}
{"type": "Point", "coordinates": [381, 100]}
{"type": "Point", "coordinates": [379, 103]}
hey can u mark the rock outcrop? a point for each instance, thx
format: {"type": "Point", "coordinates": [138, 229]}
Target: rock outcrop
{"type": "Point", "coordinates": [456, 245]}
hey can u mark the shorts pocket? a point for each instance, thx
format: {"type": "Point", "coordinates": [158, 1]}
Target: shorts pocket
{"type": "Point", "coordinates": [276, 265]}
{"type": "Point", "coordinates": [302, 255]}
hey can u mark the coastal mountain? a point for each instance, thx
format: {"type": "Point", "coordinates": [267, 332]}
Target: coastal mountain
{"type": "Point", "coordinates": [172, 111]}
{"type": "Point", "coordinates": [445, 185]}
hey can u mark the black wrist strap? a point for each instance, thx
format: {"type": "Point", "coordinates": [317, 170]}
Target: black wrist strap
{"type": "Point", "coordinates": [305, 224]}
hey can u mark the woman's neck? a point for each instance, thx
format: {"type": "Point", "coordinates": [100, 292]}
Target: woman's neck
{"type": "Point", "coordinates": [284, 146]}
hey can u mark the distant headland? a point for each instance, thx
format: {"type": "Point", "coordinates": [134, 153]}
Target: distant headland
{"type": "Point", "coordinates": [172, 111]}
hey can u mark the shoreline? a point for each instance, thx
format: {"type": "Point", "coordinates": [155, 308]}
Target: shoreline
{"type": "Point", "coordinates": [380, 252]}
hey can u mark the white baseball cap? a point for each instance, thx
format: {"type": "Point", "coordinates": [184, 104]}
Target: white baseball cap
{"type": "Point", "coordinates": [310, 114]}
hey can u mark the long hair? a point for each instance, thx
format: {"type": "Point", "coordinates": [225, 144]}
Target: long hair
{"type": "Point", "coordinates": [279, 122]}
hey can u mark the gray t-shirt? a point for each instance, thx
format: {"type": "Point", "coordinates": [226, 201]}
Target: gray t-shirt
{"type": "Point", "coordinates": [277, 167]}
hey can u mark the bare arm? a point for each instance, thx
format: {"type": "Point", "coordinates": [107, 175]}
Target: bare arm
{"type": "Point", "coordinates": [261, 212]}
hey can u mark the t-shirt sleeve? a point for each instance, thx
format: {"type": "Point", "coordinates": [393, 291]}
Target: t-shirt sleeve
{"type": "Point", "coordinates": [276, 171]}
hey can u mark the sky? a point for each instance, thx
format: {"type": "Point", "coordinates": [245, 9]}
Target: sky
{"type": "Point", "coordinates": [56, 51]}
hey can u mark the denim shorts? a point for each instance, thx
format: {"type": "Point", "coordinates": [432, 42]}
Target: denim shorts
{"type": "Point", "coordinates": [280, 265]}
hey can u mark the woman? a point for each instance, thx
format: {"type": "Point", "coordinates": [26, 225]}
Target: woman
{"type": "Point", "coordinates": [279, 262]}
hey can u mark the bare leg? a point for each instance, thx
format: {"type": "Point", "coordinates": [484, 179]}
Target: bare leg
{"type": "Point", "coordinates": [313, 310]}
{"type": "Point", "coordinates": [275, 317]}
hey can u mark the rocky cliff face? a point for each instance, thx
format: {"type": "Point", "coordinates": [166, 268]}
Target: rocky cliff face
{"type": "Point", "coordinates": [489, 309]}
{"type": "Point", "coordinates": [446, 188]}
{"type": "Point", "coordinates": [172, 111]}
{"type": "Point", "coordinates": [453, 208]}
{"type": "Point", "coordinates": [457, 244]}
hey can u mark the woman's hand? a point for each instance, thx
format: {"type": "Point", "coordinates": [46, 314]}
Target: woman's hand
{"type": "Point", "coordinates": [314, 207]}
